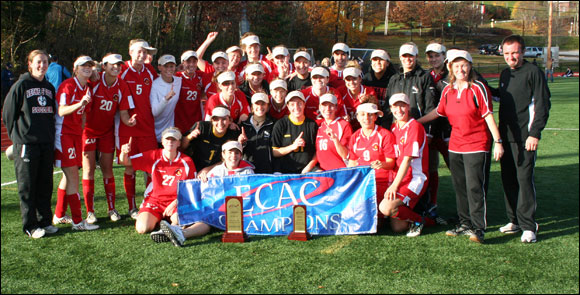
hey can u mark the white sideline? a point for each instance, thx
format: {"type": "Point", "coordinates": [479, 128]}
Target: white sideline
{"type": "Point", "coordinates": [13, 182]}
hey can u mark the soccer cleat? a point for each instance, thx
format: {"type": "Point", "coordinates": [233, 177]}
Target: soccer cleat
{"type": "Point", "coordinates": [174, 233]}
{"type": "Point", "coordinates": [61, 220]}
{"type": "Point", "coordinates": [84, 225]}
{"type": "Point", "coordinates": [415, 229]}
{"type": "Point", "coordinates": [36, 233]}
{"type": "Point", "coordinates": [528, 236]}
{"type": "Point", "coordinates": [460, 231]}
{"type": "Point", "coordinates": [477, 236]}
{"type": "Point", "coordinates": [91, 218]}
{"type": "Point", "coordinates": [114, 215]}
{"type": "Point", "coordinates": [159, 237]}
{"type": "Point", "coordinates": [50, 229]}
{"type": "Point", "coordinates": [510, 228]}
{"type": "Point", "coordinates": [134, 213]}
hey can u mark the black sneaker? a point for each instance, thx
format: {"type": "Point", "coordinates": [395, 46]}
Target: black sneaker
{"type": "Point", "coordinates": [159, 237]}
{"type": "Point", "coordinates": [477, 236]}
{"type": "Point", "coordinates": [460, 231]}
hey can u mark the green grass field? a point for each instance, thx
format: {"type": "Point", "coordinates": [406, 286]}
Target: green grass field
{"type": "Point", "coordinates": [115, 259]}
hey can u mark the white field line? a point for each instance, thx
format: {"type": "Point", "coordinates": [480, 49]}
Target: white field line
{"type": "Point", "coordinates": [13, 182]}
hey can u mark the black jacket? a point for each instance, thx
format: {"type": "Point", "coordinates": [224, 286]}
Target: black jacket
{"type": "Point", "coordinates": [29, 111]}
{"type": "Point", "coordinates": [380, 85]}
{"type": "Point", "coordinates": [245, 88]}
{"type": "Point", "coordinates": [258, 149]}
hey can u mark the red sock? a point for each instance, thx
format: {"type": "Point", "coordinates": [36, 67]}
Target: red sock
{"type": "Point", "coordinates": [110, 192]}
{"type": "Point", "coordinates": [89, 194]}
{"type": "Point", "coordinates": [75, 207]}
{"type": "Point", "coordinates": [129, 183]}
{"type": "Point", "coordinates": [405, 213]}
{"type": "Point", "coordinates": [61, 203]}
{"type": "Point", "coordinates": [433, 187]}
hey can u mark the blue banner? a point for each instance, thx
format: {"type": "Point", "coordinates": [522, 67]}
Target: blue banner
{"type": "Point", "coordinates": [338, 202]}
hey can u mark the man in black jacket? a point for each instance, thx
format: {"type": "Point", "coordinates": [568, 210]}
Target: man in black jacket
{"type": "Point", "coordinates": [523, 114]}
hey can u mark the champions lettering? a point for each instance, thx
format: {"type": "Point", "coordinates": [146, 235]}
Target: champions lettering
{"type": "Point", "coordinates": [338, 201]}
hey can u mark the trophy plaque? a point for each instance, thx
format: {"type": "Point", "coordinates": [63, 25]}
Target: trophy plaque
{"type": "Point", "coordinates": [234, 221]}
{"type": "Point", "coordinates": [300, 232]}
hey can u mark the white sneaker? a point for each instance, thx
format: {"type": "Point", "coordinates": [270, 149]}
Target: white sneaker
{"type": "Point", "coordinates": [62, 220]}
{"type": "Point", "coordinates": [50, 229]}
{"type": "Point", "coordinates": [159, 237]}
{"type": "Point", "coordinates": [114, 215]}
{"type": "Point", "coordinates": [84, 225]}
{"type": "Point", "coordinates": [174, 233]}
{"type": "Point", "coordinates": [510, 228]}
{"type": "Point", "coordinates": [134, 213]}
{"type": "Point", "coordinates": [415, 229]}
{"type": "Point", "coordinates": [91, 218]}
{"type": "Point", "coordinates": [36, 233]}
{"type": "Point", "coordinates": [528, 237]}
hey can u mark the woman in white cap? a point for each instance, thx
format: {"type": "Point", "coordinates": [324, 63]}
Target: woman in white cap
{"type": "Point", "coordinates": [255, 81]}
{"type": "Point", "coordinates": [466, 103]}
{"type": "Point", "coordinates": [410, 182]}
{"type": "Point", "coordinates": [353, 91]}
{"type": "Point", "coordinates": [256, 135]}
{"type": "Point", "coordinates": [235, 54]}
{"type": "Point", "coordinates": [231, 164]}
{"type": "Point", "coordinates": [278, 92]}
{"type": "Point", "coordinates": [109, 96]}
{"type": "Point", "coordinates": [189, 107]}
{"type": "Point", "coordinates": [301, 79]}
{"type": "Point", "coordinates": [333, 136]}
{"type": "Point", "coordinates": [373, 145]}
{"type": "Point", "coordinates": [165, 95]}
{"type": "Point", "coordinates": [74, 94]}
{"type": "Point", "coordinates": [229, 96]}
{"type": "Point", "coordinates": [204, 140]}
{"type": "Point", "coordinates": [319, 77]}
{"type": "Point", "coordinates": [282, 68]}
{"type": "Point", "coordinates": [250, 44]}
{"type": "Point", "coordinates": [294, 138]}
{"type": "Point", "coordinates": [167, 166]}
{"type": "Point", "coordinates": [340, 54]}
{"type": "Point", "coordinates": [379, 75]}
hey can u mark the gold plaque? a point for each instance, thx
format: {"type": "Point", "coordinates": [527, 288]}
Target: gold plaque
{"type": "Point", "coordinates": [299, 219]}
{"type": "Point", "coordinates": [234, 215]}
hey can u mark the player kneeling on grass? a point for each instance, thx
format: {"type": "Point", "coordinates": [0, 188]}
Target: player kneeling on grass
{"type": "Point", "coordinates": [167, 167]}
{"type": "Point", "coordinates": [232, 164]}
{"type": "Point", "coordinates": [412, 169]}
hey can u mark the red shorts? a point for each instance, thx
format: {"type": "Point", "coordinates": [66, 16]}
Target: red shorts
{"type": "Point", "coordinates": [155, 207]}
{"type": "Point", "coordinates": [408, 197]}
{"type": "Point", "coordinates": [105, 144]}
{"type": "Point", "coordinates": [138, 144]}
{"type": "Point", "coordinates": [68, 150]}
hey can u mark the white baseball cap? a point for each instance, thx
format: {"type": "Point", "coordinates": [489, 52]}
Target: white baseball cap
{"type": "Point", "coordinates": [260, 97]}
{"type": "Point", "coordinates": [233, 48]}
{"type": "Point", "coordinates": [252, 39]}
{"type": "Point", "coordinates": [280, 50]}
{"type": "Point", "coordinates": [352, 72]}
{"type": "Point", "coordinates": [408, 49]}
{"type": "Point", "coordinates": [278, 84]}
{"type": "Point", "coordinates": [145, 45]}
{"type": "Point", "coordinates": [399, 97]}
{"type": "Point", "coordinates": [226, 76]}
{"type": "Point", "coordinates": [453, 54]}
{"type": "Point", "coordinates": [293, 94]}
{"type": "Point", "coordinates": [83, 60]}
{"type": "Point", "coordinates": [320, 71]}
{"type": "Point", "coordinates": [166, 58]}
{"type": "Point", "coordinates": [435, 47]}
{"type": "Point", "coordinates": [112, 59]}
{"type": "Point", "coordinates": [171, 132]}
{"type": "Point", "coordinates": [186, 55]}
{"type": "Point", "coordinates": [328, 97]}
{"type": "Point", "coordinates": [252, 68]}
{"type": "Point", "coordinates": [232, 145]}
{"type": "Point", "coordinates": [342, 47]}
{"type": "Point", "coordinates": [302, 54]}
{"type": "Point", "coordinates": [219, 54]}
{"type": "Point", "coordinates": [220, 112]}
{"type": "Point", "coordinates": [369, 108]}
{"type": "Point", "coordinates": [380, 54]}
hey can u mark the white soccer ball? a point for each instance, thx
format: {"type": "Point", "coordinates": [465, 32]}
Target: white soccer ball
{"type": "Point", "coordinates": [10, 153]}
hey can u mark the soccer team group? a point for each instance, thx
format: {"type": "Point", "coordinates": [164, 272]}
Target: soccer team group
{"type": "Point", "coordinates": [276, 114]}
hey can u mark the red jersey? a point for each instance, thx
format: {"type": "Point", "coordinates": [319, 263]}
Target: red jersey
{"type": "Point", "coordinates": [140, 84]}
{"type": "Point", "coordinates": [328, 157]}
{"type": "Point", "coordinates": [71, 92]}
{"type": "Point", "coordinates": [378, 146]}
{"type": "Point", "coordinates": [312, 104]}
{"type": "Point", "coordinates": [238, 107]}
{"type": "Point", "coordinates": [275, 113]}
{"type": "Point", "coordinates": [466, 111]}
{"type": "Point", "coordinates": [106, 101]}
{"type": "Point", "coordinates": [275, 73]}
{"type": "Point", "coordinates": [336, 80]}
{"type": "Point", "coordinates": [188, 109]}
{"type": "Point", "coordinates": [263, 60]}
{"type": "Point", "coordinates": [165, 174]}
{"type": "Point", "coordinates": [411, 141]}
{"type": "Point", "coordinates": [350, 102]}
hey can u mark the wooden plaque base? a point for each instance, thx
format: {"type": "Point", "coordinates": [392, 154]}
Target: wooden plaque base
{"type": "Point", "coordinates": [234, 238]}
